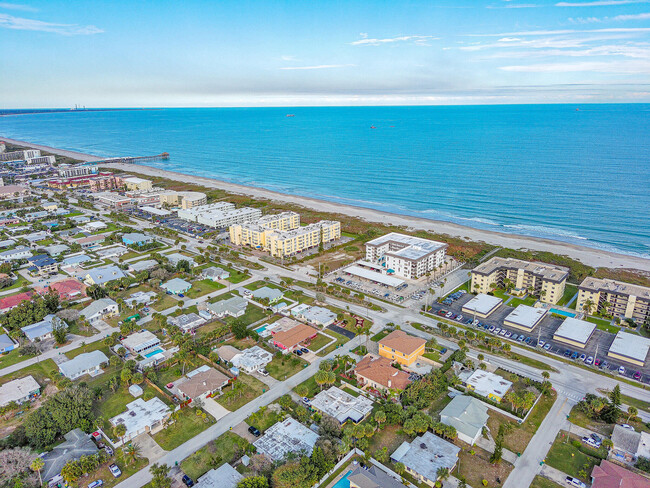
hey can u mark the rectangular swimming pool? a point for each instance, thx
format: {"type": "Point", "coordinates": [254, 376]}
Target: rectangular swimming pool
{"type": "Point", "coordinates": [261, 329]}
{"type": "Point", "coordinates": [343, 482]}
{"type": "Point", "coordinates": [153, 353]}
{"type": "Point", "coordinates": [563, 313]}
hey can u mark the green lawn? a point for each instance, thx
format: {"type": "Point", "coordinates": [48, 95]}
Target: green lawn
{"type": "Point", "coordinates": [252, 315]}
{"type": "Point", "coordinates": [500, 293]}
{"type": "Point", "coordinates": [311, 385]}
{"type": "Point", "coordinates": [45, 242]}
{"type": "Point", "coordinates": [529, 300]}
{"type": "Point", "coordinates": [11, 358]}
{"type": "Point", "coordinates": [380, 335]}
{"type": "Point", "coordinates": [286, 366]}
{"type": "Point", "coordinates": [541, 482]}
{"type": "Point", "coordinates": [183, 429]}
{"type": "Point", "coordinates": [569, 292]}
{"type": "Point", "coordinates": [340, 340]}
{"type": "Point", "coordinates": [569, 459]}
{"type": "Point", "coordinates": [603, 324]}
{"type": "Point", "coordinates": [263, 418]}
{"type": "Point", "coordinates": [40, 371]}
{"type": "Point", "coordinates": [223, 450]}
{"type": "Point", "coordinates": [319, 341]}
{"type": "Point", "coordinates": [223, 296]}
{"type": "Point", "coordinates": [19, 283]}
{"type": "Point", "coordinates": [235, 275]}
{"type": "Point", "coordinates": [165, 302]}
{"type": "Point", "coordinates": [234, 399]}
{"type": "Point", "coordinates": [261, 283]}
{"type": "Point", "coordinates": [203, 287]}
{"type": "Point", "coordinates": [97, 345]}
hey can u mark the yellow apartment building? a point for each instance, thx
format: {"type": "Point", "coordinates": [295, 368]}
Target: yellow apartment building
{"type": "Point", "coordinates": [133, 183]}
{"type": "Point", "coordinates": [546, 281]}
{"type": "Point", "coordinates": [401, 347]}
{"type": "Point", "coordinates": [615, 298]}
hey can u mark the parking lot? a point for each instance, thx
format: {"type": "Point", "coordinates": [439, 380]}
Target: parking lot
{"type": "Point", "coordinates": [396, 295]}
{"type": "Point", "coordinates": [597, 346]}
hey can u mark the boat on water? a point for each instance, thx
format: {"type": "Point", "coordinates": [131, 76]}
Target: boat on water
{"type": "Point", "coordinates": [373, 127]}
{"type": "Point", "coordinates": [291, 115]}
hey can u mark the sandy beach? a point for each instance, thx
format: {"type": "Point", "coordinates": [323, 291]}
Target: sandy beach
{"type": "Point", "coordinates": [589, 256]}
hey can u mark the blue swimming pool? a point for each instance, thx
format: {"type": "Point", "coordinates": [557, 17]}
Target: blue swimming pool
{"type": "Point", "coordinates": [343, 482]}
{"type": "Point", "coordinates": [563, 313]}
{"type": "Point", "coordinates": [259, 330]}
{"type": "Point", "coordinates": [153, 353]}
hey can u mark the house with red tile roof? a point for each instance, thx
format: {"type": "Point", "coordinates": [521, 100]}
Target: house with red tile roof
{"type": "Point", "coordinates": [610, 475]}
{"type": "Point", "coordinates": [69, 289]}
{"type": "Point", "coordinates": [7, 303]}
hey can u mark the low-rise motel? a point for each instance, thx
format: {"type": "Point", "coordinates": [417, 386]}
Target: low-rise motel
{"type": "Point", "coordinates": [546, 281]}
{"type": "Point", "coordinates": [282, 236]}
{"type": "Point", "coordinates": [401, 347]}
{"type": "Point", "coordinates": [615, 298]}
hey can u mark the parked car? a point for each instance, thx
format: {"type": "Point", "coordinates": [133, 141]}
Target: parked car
{"type": "Point", "coordinates": [628, 427]}
{"type": "Point", "coordinates": [547, 346]}
{"type": "Point", "coordinates": [187, 480]}
{"type": "Point", "coordinates": [109, 450]}
{"type": "Point", "coordinates": [575, 482]}
{"type": "Point", "coordinates": [508, 334]}
{"type": "Point", "coordinates": [515, 337]}
{"type": "Point", "coordinates": [255, 431]}
{"type": "Point", "coordinates": [95, 484]}
{"type": "Point", "coordinates": [597, 439]}
{"type": "Point", "coordinates": [298, 352]}
{"type": "Point", "coordinates": [264, 372]}
{"type": "Point", "coordinates": [597, 362]}
{"type": "Point", "coordinates": [306, 400]}
{"type": "Point", "coordinates": [541, 343]}
{"type": "Point", "coordinates": [621, 370]}
{"type": "Point", "coordinates": [583, 357]}
{"type": "Point", "coordinates": [589, 360]}
{"type": "Point", "coordinates": [304, 350]}
{"type": "Point", "coordinates": [115, 471]}
{"type": "Point", "coordinates": [637, 375]}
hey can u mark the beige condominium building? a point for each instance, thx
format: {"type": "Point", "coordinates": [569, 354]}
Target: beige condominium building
{"type": "Point", "coordinates": [256, 234]}
{"type": "Point", "coordinates": [135, 183]}
{"type": "Point", "coordinates": [186, 199]}
{"type": "Point", "coordinates": [614, 298]}
{"type": "Point", "coordinates": [407, 256]}
{"type": "Point", "coordinates": [546, 281]}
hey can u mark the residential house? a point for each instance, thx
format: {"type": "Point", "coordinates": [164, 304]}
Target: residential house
{"type": "Point", "coordinates": [91, 242]}
{"type": "Point", "coordinates": [68, 289]}
{"type": "Point", "coordinates": [104, 274]}
{"type": "Point", "coordinates": [486, 384]}
{"type": "Point", "coordinates": [136, 239]}
{"type": "Point", "coordinates": [213, 273]}
{"type": "Point", "coordinates": [85, 363]}
{"type": "Point", "coordinates": [377, 372]}
{"type": "Point", "coordinates": [141, 417]}
{"type": "Point", "coordinates": [141, 298]}
{"type": "Point", "coordinates": [18, 252]}
{"type": "Point", "coordinates": [610, 475]}
{"type": "Point", "coordinates": [288, 436]}
{"type": "Point", "coordinates": [401, 347]}
{"type": "Point", "coordinates": [289, 339]}
{"type": "Point", "coordinates": [187, 322]}
{"type": "Point", "coordinates": [142, 342]}
{"type": "Point", "coordinates": [42, 330]}
{"type": "Point", "coordinates": [12, 301]}
{"type": "Point", "coordinates": [100, 309]}
{"type": "Point", "coordinates": [20, 390]}
{"type": "Point", "coordinates": [341, 405]}
{"type": "Point", "coordinates": [94, 226]}
{"type": "Point", "coordinates": [467, 415]}
{"type": "Point", "coordinates": [425, 455]}
{"type": "Point", "coordinates": [629, 444]}
{"type": "Point", "coordinates": [235, 307]}
{"type": "Point", "coordinates": [76, 259]}
{"type": "Point", "coordinates": [77, 443]}
{"type": "Point", "coordinates": [143, 265]}
{"type": "Point", "coordinates": [202, 384]}
{"type": "Point", "coordinates": [225, 476]}
{"type": "Point", "coordinates": [6, 344]}
{"type": "Point", "coordinates": [175, 258]}
{"type": "Point", "coordinates": [318, 316]}
{"type": "Point", "coordinates": [56, 249]}
{"type": "Point", "coordinates": [42, 265]}
{"type": "Point", "coordinates": [372, 477]}
{"type": "Point", "coordinates": [177, 286]}
{"type": "Point", "coordinates": [265, 293]}
{"type": "Point", "coordinates": [252, 359]}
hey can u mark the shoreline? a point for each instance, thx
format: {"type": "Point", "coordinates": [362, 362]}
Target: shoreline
{"type": "Point", "coordinates": [590, 256]}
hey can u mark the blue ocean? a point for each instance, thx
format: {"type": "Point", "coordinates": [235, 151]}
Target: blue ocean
{"type": "Point", "coordinates": [575, 173]}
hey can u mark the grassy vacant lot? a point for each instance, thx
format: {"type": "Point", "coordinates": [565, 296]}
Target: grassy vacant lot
{"type": "Point", "coordinates": [380, 335]}
{"type": "Point", "coordinates": [263, 418]}
{"type": "Point", "coordinates": [237, 397]}
{"type": "Point", "coordinates": [340, 340]}
{"type": "Point", "coordinates": [104, 474]}
{"type": "Point", "coordinates": [94, 346]}
{"type": "Point", "coordinates": [223, 296]}
{"type": "Point", "coordinates": [261, 283]}
{"type": "Point", "coordinates": [187, 425]}
{"type": "Point", "coordinates": [252, 315]}
{"type": "Point", "coordinates": [225, 449]}
{"type": "Point", "coordinates": [521, 434]}
{"type": "Point", "coordinates": [11, 358]}
{"type": "Point", "coordinates": [165, 302]}
{"type": "Point", "coordinates": [311, 385]}
{"type": "Point", "coordinates": [569, 459]}
{"type": "Point", "coordinates": [476, 467]}
{"type": "Point", "coordinates": [541, 482]}
{"type": "Point", "coordinates": [319, 341]}
{"type": "Point", "coordinates": [236, 276]}
{"type": "Point", "coordinates": [39, 370]}
{"type": "Point", "coordinates": [203, 287]}
{"type": "Point", "coordinates": [390, 436]}
{"type": "Point", "coordinates": [286, 366]}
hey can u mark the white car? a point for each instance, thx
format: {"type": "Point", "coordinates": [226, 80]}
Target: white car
{"type": "Point", "coordinates": [115, 471]}
{"type": "Point", "coordinates": [628, 427]}
{"type": "Point", "coordinates": [449, 314]}
{"type": "Point", "coordinates": [547, 346]}
{"type": "Point", "coordinates": [621, 370]}
{"type": "Point", "coordinates": [508, 334]}
{"type": "Point", "coordinates": [575, 482]}
{"type": "Point", "coordinates": [541, 343]}
{"type": "Point", "coordinates": [589, 360]}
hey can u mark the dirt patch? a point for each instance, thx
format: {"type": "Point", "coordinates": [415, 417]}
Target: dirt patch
{"type": "Point", "coordinates": [476, 467]}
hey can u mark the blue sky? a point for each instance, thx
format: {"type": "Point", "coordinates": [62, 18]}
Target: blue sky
{"type": "Point", "coordinates": [281, 53]}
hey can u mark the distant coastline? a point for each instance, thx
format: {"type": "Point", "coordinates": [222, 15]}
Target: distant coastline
{"type": "Point", "coordinates": [589, 256]}
{"type": "Point", "coordinates": [31, 111]}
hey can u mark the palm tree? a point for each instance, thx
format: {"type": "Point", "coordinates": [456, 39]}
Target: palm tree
{"type": "Point", "coordinates": [632, 412]}
{"type": "Point", "coordinates": [119, 430]}
{"type": "Point", "coordinates": [37, 465]}
{"type": "Point", "coordinates": [132, 453]}
{"type": "Point", "coordinates": [442, 473]}
{"type": "Point", "coordinates": [588, 306]}
{"type": "Point", "coordinates": [546, 375]}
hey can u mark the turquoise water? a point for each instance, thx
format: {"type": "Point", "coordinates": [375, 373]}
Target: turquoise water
{"type": "Point", "coordinates": [343, 482]}
{"type": "Point", "coordinates": [562, 312]}
{"type": "Point", "coordinates": [259, 330]}
{"type": "Point", "coordinates": [153, 353]}
{"type": "Point", "coordinates": [540, 170]}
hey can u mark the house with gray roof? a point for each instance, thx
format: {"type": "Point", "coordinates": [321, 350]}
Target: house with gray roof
{"type": "Point", "coordinates": [97, 310]}
{"type": "Point", "coordinates": [85, 363]}
{"type": "Point", "coordinates": [176, 286]}
{"type": "Point", "coordinates": [6, 344]}
{"type": "Point", "coordinates": [18, 252]}
{"type": "Point", "coordinates": [103, 274]}
{"type": "Point", "coordinates": [7, 243]}
{"type": "Point", "coordinates": [143, 265]}
{"type": "Point", "coordinates": [288, 436]}
{"type": "Point", "coordinates": [271, 294]}
{"type": "Point", "coordinates": [136, 239]}
{"type": "Point", "coordinates": [372, 477]}
{"type": "Point", "coordinates": [176, 257]}
{"type": "Point", "coordinates": [77, 443]}
{"type": "Point", "coordinates": [187, 322]}
{"type": "Point", "coordinates": [56, 249]}
{"type": "Point", "coordinates": [41, 330]}
{"type": "Point", "coordinates": [235, 307]}
{"type": "Point", "coordinates": [76, 259]}
{"type": "Point", "coordinates": [215, 273]}
{"type": "Point", "coordinates": [467, 415]}
{"type": "Point", "coordinates": [225, 476]}
{"type": "Point", "coordinates": [140, 417]}
{"type": "Point", "coordinates": [19, 390]}
{"type": "Point", "coordinates": [425, 455]}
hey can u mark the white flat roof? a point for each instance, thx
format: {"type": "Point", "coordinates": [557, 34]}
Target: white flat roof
{"type": "Point", "coordinates": [155, 211]}
{"type": "Point", "coordinates": [630, 345]}
{"type": "Point", "coordinates": [526, 316]}
{"type": "Point", "coordinates": [373, 275]}
{"type": "Point", "coordinates": [483, 303]}
{"type": "Point", "coordinates": [575, 330]}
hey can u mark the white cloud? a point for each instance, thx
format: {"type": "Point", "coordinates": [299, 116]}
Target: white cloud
{"type": "Point", "coordinates": [515, 5]}
{"type": "Point", "coordinates": [599, 3]}
{"type": "Point", "coordinates": [644, 16]}
{"type": "Point", "coordinates": [628, 30]}
{"type": "Point", "coordinates": [320, 66]}
{"type": "Point", "coordinates": [420, 40]}
{"type": "Point", "coordinates": [288, 58]}
{"type": "Point", "coordinates": [618, 18]}
{"type": "Point", "coordinates": [617, 67]}
{"type": "Point", "coordinates": [18, 23]}
{"type": "Point", "coordinates": [16, 6]}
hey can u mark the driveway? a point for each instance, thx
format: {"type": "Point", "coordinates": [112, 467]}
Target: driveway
{"type": "Point", "coordinates": [149, 448]}
{"type": "Point", "coordinates": [213, 408]}
{"type": "Point", "coordinates": [241, 429]}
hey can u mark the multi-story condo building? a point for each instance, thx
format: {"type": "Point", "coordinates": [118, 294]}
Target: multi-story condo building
{"type": "Point", "coordinates": [193, 213]}
{"type": "Point", "coordinates": [135, 183]}
{"type": "Point", "coordinates": [50, 160]}
{"type": "Point", "coordinates": [20, 155]}
{"type": "Point", "coordinates": [281, 221]}
{"type": "Point", "coordinates": [546, 281]}
{"type": "Point", "coordinates": [615, 298]}
{"type": "Point", "coordinates": [407, 256]}
{"type": "Point", "coordinates": [188, 199]}
{"type": "Point", "coordinates": [284, 243]}
{"type": "Point", "coordinates": [220, 215]}
{"type": "Point", "coordinates": [72, 170]}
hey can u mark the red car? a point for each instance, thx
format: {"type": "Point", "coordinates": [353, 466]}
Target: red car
{"type": "Point", "coordinates": [637, 375]}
